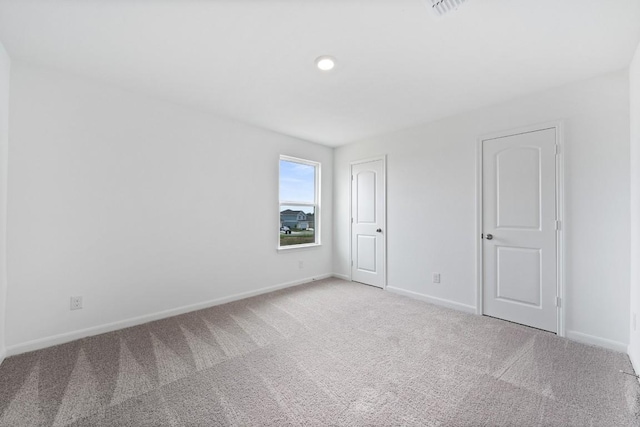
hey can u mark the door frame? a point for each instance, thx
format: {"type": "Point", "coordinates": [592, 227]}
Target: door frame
{"type": "Point", "coordinates": [384, 226]}
{"type": "Point", "coordinates": [560, 255]}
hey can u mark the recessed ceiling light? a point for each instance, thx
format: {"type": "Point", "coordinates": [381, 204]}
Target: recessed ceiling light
{"type": "Point", "coordinates": [325, 63]}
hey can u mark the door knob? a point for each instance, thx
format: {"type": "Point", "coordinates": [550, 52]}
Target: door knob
{"type": "Point", "coordinates": [379, 230]}
{"type": "Point", "coordinates": [489, 236]}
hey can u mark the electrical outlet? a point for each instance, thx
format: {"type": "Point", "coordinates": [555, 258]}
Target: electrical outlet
{"type": "Point", "coordinates": [301, 264]}
{"type": "Point", "coordinates": [436, 277]}
{"type": "Point", "coordinates": [76, 303]}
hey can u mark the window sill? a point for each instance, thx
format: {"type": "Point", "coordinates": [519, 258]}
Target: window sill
{"type": "Point", "coordinates": [293, 247]}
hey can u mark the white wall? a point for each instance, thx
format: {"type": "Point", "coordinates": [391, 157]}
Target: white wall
{"type": "Point", "coordinates": [431, 196]}
{"type": "Point", "coordinates": [139, 206]}
{"type": "Point", "coordinates": [634, 90]}
{"type": "Point", "coordinates": [5, 64]}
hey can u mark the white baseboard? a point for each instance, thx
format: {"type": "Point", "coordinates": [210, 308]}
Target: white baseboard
{"type": "Point", "coordinates": [572, 335]}
{"type": "Point", "coordinates": [114, 326]}
{"type": "Point", "coordinates": [434, 300]}
{"type": "Point", "coordinates": [341, 276]}
{"type": "Point", "coordinates": [635, 360]}
{"type": "Point", "coordinates": [593, 340]}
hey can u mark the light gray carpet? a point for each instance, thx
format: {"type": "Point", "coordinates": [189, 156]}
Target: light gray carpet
{"type": "Point", "coordinates": [326, 353]}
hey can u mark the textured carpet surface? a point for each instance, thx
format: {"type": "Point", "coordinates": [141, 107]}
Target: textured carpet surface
{"type": "Point", "coordinates": [326, 353]}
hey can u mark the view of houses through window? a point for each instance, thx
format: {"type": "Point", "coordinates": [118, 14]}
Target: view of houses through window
{"type": "Point", "coordinates": [298, 201]}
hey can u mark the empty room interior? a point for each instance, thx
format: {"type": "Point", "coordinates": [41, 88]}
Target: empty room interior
{"type": "Point", "coordinates": [312, 212]}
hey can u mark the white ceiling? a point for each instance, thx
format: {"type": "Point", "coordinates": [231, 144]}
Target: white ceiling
{"type": "Point", "coordinates": [397, 65]}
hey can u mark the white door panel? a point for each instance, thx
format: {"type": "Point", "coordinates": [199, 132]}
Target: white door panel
{"type": "Point", "coordinates": [366, 254]}
{"type": "Point", "coordinates": [518, 188]}
{"type": "Point", "coordinates": [366, 197]}
{"type": "Point", "coordinates": [519, 214]}
{"type": "Point", "coordinates": [518, 275]}
{"type": "Point", "coordinates": [368, 222]}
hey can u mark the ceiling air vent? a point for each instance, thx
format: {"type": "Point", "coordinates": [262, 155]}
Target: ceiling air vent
{"type": "Point", "coordinates": [444, 7]}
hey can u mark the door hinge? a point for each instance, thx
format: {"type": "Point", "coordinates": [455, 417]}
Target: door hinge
{"type": "Point", "coordinates": [351, 263]}
{"type": "Point", "coordinates": [351, 177]}
{"type": "Point", "coordinates": [351, 220]}
{"type": "Point", "coordinates": [558, 302]}
{"type": "Point", "coordinates": [557, 224]}
{"type": "Point", "coordinates": [557, 149]}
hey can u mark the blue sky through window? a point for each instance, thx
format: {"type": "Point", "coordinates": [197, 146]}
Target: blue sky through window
{"type": "Point", "coordinates": [297, 182]}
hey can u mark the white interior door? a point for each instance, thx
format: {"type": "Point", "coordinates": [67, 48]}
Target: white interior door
{"type": "Point", "coordinates": [519, 228]}
{"type": "Point", "coordinates": [368, 223]}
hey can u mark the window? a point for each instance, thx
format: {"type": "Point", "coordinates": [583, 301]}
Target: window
{"type": "Point", "coordinates": [299, 203]}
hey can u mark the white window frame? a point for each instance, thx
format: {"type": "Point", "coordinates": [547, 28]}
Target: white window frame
{"type": "Point", "coordinates": [315, 205]}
